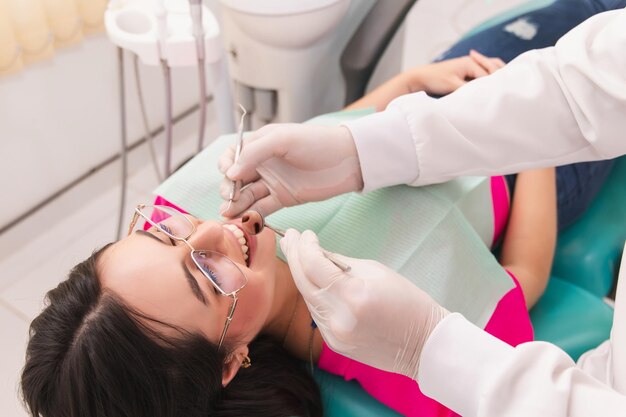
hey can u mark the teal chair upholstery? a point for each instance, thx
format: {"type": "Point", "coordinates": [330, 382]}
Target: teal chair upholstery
{"type": "Point", "coordinates": [571, 318]}
{"type": "Point", "coordinates": [588, 252]}
{"type": "Point", "coordinates": [347, 399]}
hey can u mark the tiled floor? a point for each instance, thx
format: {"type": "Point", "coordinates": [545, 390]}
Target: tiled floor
{"type": "Point", "coordinates": [57, 238]}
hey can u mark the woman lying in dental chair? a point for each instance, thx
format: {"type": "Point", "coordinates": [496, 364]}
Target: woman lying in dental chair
{"type": "Point", "coordinates": [142, 327]}
{"type": "Point", "coordinates": [137, 328]}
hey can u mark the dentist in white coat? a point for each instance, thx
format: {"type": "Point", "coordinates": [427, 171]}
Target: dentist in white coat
{"type": "Point", "coordinates": [549, 107]}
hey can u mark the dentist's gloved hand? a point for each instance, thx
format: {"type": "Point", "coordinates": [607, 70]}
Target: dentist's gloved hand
{"type": "Point", "coordinates": [370, 314]}
{"type": "Point", "coordinates": [283, 165]}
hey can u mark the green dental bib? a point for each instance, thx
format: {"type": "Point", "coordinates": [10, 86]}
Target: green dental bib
{"type": "Point", "coordinates": [436, 236]}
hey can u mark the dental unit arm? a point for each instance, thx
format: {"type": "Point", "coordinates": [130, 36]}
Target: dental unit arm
{"type": "Point", "coordinates": [198, 34]}
{"type": "Point", "coordinates": [172, 33]}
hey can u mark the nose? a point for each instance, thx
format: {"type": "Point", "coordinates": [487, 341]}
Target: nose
{"type": "Point", "coordinates": [252, 222]}
{"type": "Point", "coordinates": [209, 235]}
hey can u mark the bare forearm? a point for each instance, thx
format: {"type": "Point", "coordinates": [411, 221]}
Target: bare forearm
{"type": "Point", "coordinates": [528, 247]}
{"type": "Point", "coordinates": [383, 95]}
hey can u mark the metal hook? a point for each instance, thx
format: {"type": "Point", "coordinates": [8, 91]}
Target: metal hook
{"type": "Point", "coordinates": [259, 218]}
{"type": "Point", "coordinates": [233, 190]}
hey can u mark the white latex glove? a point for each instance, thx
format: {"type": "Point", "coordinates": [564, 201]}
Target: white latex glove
{"type": "Point", "coordinates": [283, 165]}
{"type": "Point", "coordinates": [370, 314]}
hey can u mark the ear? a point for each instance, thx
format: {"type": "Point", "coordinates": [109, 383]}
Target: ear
{"type": "Point", "coordinates": [233, 364]}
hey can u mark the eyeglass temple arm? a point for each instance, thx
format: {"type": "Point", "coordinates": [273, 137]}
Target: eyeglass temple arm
{"type": "Point", "coordinates": [132, 223]}
{"type": "Point", "coordinates": [228, 320]}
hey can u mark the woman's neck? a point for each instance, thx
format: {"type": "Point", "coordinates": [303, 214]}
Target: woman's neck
{"type": "Point", "coordinates": [291, 320]}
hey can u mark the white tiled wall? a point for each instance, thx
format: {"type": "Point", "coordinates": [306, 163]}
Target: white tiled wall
{"type": "Point", "coordinates": [14, 330]}
{"type": "Point", "coordinates": [60, 118]}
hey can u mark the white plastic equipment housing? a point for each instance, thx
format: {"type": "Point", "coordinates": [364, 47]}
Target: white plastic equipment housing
{"type": "Point", "coordinates": [289, 49]}
{"type": "Point", "coordinates": [134, 25]}
{"type": "Point", "coordinates": [286, 24]}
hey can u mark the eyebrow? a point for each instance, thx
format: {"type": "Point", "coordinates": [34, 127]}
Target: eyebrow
{"type": "Point", "coordinates": [193, 284]}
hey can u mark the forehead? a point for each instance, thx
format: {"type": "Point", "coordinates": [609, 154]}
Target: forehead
{"type": "Point", "coordinates": [149, 277]}
{"type": "Point", "coordinates": [137, 262]}
{"type": "Point", "coordinates": [140, 264]}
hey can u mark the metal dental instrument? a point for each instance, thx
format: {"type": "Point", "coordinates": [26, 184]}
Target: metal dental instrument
{"type": "Point", "coordinates": [329, 255]}
{"type": "Point", "coordinates": [233, 190]}
{"type": "Point", "coordinates": [260, 223]}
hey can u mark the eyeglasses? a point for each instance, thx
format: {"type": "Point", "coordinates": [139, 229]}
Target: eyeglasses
{"type": "Point", "coordinates": [219, 269]}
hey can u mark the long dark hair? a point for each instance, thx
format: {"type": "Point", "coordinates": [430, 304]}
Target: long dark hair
{"type": "Point", "coordinates": [90, 355]}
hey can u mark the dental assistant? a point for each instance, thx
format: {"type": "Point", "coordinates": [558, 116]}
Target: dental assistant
{"type": "Point", "coordinates": [548, 107]}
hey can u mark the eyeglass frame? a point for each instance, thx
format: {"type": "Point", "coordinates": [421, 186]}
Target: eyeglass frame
{"type": "Point", "coordinates": [232, 294]}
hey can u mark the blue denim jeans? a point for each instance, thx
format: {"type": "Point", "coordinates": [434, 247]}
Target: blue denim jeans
{"type": "Point", "coordinates": [577, 184]}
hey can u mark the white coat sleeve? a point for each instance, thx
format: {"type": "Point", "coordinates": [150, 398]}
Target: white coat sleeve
{"type": "Point", "coordinates": [475, 374]}
{"type": "Point", "coordinates": [548, 107]}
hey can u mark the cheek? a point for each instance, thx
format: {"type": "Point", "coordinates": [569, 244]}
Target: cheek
{"type": "Point", "coordinates": [254, 305]}
{"type": "Point", "coordinates": [256, 299]}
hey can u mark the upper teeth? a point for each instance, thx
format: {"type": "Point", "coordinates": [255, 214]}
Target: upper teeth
{"type": "Point", "coordinates": [240, 237]}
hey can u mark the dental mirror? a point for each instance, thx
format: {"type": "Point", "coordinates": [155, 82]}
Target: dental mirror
{"type": "Point", "coordinates": [253, 222]}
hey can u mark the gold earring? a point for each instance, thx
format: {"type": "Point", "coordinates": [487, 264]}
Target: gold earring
{"type": "Point", "coordinates": [246, 363]}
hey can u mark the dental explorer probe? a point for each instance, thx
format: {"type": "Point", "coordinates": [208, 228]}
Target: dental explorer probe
{"type": "Point", "coordinates": [237, 153]}
{"type": "Point", "coordinates": [256, 219]}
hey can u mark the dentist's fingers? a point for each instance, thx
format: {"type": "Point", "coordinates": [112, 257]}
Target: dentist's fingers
{"type": "Point", "coordinates": [226, 159]}
{"type": "Point", "coordinates": [270, 141]}
{"type": "Point", "coordinates": [320, 271]}
{"type": "Point", "coordinates": [265, 206]}
{"type": "Point", "coordinates": [260, 132]}
{"type": "Point", "coordinates": [225, 186]}
{"type": "Point", "coordinates": [289, 246]}
{"type": "Point", "coordinates": [247, 198]}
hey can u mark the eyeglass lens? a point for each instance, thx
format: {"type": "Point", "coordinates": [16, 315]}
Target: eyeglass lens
{"type": "Point", "coordinates": [219, 269]}
{"type": "Point", "coordinates": [169, 220]}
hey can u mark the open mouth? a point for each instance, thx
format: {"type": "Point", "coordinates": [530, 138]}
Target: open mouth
{"type": "Point", "coordinates": [244, 243]}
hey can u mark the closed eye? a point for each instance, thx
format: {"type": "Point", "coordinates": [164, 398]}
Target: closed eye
{"type": "Point", "coordinates": [168, 232]}
{"type": "Point", "coordinates": [212, 275]}
{"type": "Point", "coordinates": [165, 228]}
